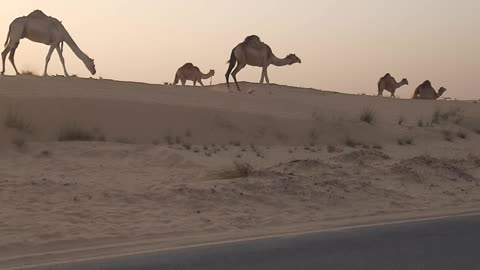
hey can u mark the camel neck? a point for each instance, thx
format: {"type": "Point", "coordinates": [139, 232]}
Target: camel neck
{"type": "Point", "coordinates": [206, 76]}
{"type": "Point", "coordinates": [76, 50]}
{"type": "Point", "coordinates": [279, 62]}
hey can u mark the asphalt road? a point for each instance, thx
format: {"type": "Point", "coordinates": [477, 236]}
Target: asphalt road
{"type": "Point", "coordinates": [452, 243]}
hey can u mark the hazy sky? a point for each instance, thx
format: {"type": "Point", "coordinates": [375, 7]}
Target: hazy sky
{"type": "Point", "coordinates": [345, 45]}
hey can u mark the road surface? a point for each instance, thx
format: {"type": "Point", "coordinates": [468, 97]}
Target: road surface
{"type": "Point", "coordinates": [452, 243]}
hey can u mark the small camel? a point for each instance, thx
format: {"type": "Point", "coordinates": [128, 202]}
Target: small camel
{"type": "Point", "coordinates": [426, 91]}
{"type": "Point", "coordinates": [253, 52]}
{"type": "Point", "coordinates": [389, 84]}
{"type": "Point", "coordinates": [189, 72]}
{"type": "Point", "coordinates": [41, 28]}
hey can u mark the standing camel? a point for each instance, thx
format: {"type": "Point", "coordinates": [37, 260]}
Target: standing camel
{"type": "Point", "coordinates": [189, 72]}
{"type": "Point", "coordinates": [254, 52]}
{"type": "Point", "coordinates": [389, 83]}
{"type": "Point", "coordinates": [41, 28]}
{"type": "Point", "coordinates": [426, 91]}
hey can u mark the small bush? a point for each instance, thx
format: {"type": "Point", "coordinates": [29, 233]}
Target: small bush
{"type": "Point", "coordinates": [401, 120]}
{"type": "Point", "coordinates": [15, 121]}
{"type": "Point", "coordinates": [238, 170]}
{"type": "Point", "coordinates": [368, 116]}
{"type": "Point", "coordinates": [73, 132]}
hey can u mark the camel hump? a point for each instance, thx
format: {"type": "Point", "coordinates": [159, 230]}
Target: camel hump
{"type": "Point", "coordinates": [387, 75]}
{"type": "Point", "coordinates": [426, 84]}
{"type": "Point", "coordinates": [37, 14]}
{"type": "Point", "coordinates": [188, 65]}
{"type": "Point", "coordinates": [253, 41]}
{"type": "Point", "coordinates": [252, 38]}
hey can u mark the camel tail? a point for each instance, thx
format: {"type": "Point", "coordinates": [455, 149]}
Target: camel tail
{"type": "Point", "coordinates": [8, 37]}
{"type": "Point", "coordinates": [231, 64]}
{"type": "Point", "coordinates": [175, 81]}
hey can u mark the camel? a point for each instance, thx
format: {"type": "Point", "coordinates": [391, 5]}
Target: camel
{"type": "Point", "coordinates": [426, 91]}
{"type": "Point", "coordinates": [389, 83]}
{"type": "Point", "coordinates": [253, 52]}
{"type": "Point", "coordinates": [41, 28]}
{"type": "Point", "coordinates": [189, 72]}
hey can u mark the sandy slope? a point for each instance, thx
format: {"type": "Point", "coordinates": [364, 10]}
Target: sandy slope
{"type": "Point", "coordinates": [135, 185]}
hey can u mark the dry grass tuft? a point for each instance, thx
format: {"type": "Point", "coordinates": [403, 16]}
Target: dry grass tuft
{"type": "Point", "coordinates": [238, 170]}
{"type": "Point", "coordinates": [368, 115]}
{"type": "Point", "coordinates": [73, 132]}
{"type": "Point", "coordinates": [15, 121]}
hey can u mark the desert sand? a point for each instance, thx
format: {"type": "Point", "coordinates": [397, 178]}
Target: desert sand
{"type": "Point", "coordinates": [159, 166]}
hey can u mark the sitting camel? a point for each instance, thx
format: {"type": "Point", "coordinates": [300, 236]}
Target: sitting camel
{"type": "Point", "coordinates": [189, 72]}
{"type": "Point", "coordinates": [426, 91]}
{"type": "Point", "coordinates": [252, 51]}
{"type": "Point", "coordinates": [389, 83]}
{"type": "Point", "coordinates": [41, 28]}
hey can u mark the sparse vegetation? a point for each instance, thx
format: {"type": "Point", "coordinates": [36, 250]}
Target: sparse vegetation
{"type": "Point", "coordinates": [401, 120]}
{"type": "Point", "coordinates": [331, 148]}
{"type": "Point", "coordinates": [73, 132]}
{"type": "Point", "coordinates": [420, 123]}
{"type": "Point", "coordinates": [406, 140]}
{"type": "Point", "coordinates": [454, 114]}
{"type": "Point", "coordinates": [19, 142]}
{"type": "Point", "coordinates": [187, 146]}
{"type": "Point", "coordinates": [368, 116]}
{"type": "Point", "coordinates": [28, 72]}
{"type": "Point", "coordinates": [462, 134]}
{"type": "Point", "coordinates": [377, 147]}
{"type": "Point", "coordinates": [238, 170]}
{"type": "Point", "coordinates": [447, 135]}
{"type": "Point", "coordinates": [350, 142]}
{"type": "Point", "coordinates": [169, 140]}
{"type": "Point", "coordinates": [15, 121]}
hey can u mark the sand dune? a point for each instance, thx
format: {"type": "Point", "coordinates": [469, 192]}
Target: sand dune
{"type": "Point", "coordinates": [163, 167]}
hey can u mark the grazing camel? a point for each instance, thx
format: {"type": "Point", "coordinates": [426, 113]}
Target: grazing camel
{"type": "Point", "coordinates": [189, 72]}
{"type": "Point", "coordinates": [252, 51]}
{"type": "Point", "coordinates": [426, 91]}
{"type": "Point", "coordinates": [41, 28]}
{"type": "Point", "coordinates": [389, 83]}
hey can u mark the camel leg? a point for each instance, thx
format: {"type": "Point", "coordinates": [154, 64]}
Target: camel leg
{"type": "Point", "coordinates": [201, 83]}
{"type": "Point", "coordinates": [194, 83]}
{"type": "Point", "coordinates": [262, 78]}
{"type": "Point", "coordinates": [49, 55]}
{"type": "Point", "coordinates": [4, 57]}
{"type": "Point", "coordinates": [12, 59]}
{"type": "Point", "coordinates": [62, 60]}
{"type": "Point", "coordinates": [235, 72]}
{"type": "Point", "coordinates": [184, 82]}
{"type": "Point", "coordinates": [266, 76]}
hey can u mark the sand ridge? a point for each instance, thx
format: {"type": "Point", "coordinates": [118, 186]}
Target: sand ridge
{"type": "Point", "coordinates": [157, 164]}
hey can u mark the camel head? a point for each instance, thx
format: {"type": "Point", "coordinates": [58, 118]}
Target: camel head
{"type": "Point", "coordinates": [211, 72]}
{"type": "Point", "coordinates": [90, 64]}
{"type": "Point", "coordinates": [404, 81]}
{"type": "Point", "coordinates": [441, 91]}
{"type": "Point", "coordinates": [293, 59]}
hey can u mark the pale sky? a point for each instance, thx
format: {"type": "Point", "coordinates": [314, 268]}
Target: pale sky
{"type": "Point", "coordinates": [345, 45]}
